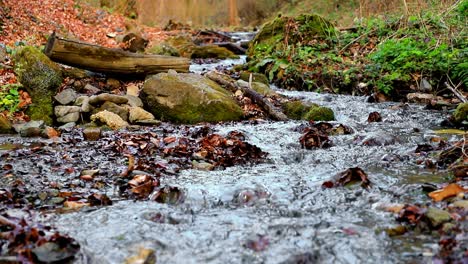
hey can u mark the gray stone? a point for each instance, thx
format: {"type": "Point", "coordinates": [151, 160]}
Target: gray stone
{"type": "Point", "coordinates": [92, 133]}
{"type": "Point", "coordinates": [67, 126]}
{"type": "Point", "coordinates": [138, 114]}
{"type": "Point", "coordinates": [150, 122]}
{"type": "Point", "coordinates": [437, 216]}
{"type": "Point", "coordinates": [83, 101]}
{"type": "Point", "coordinates": [110, 119]}
{"type": "Point", "coordinates": [66, 96]}
{"type": "Point", "coordinates": [134, 101]}
{"type": "Point", "coordinates": [423, 98]}
{"type": "Point", "coordinates": [90, 89]}
{"type": "Point", "coordinates": [32, 124]}
{"type": "Point", "coordinates": [68, 118]}
{"type": "Point", "coordinates": [106, 97]}
{"type": "Point", "coordinates": [114, 108]}
{"type": "Point", "coordinates": [425, 86]}
{"type": "Point", "coordinates": [62, 110]}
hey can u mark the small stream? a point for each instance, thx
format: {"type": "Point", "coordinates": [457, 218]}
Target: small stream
{"type": "Point", "coordinates": [280, 203]}
{"type": "Point", "coordinates": [296, 217]}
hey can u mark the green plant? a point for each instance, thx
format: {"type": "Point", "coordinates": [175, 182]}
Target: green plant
{"type": "Point", "coordinates": [9, 97]}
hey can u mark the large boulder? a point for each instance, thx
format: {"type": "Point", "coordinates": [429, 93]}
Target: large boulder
{"type": "Point", "coordinates": [41, 77]}
{"type": "Point", "coordinates": [188, 98]}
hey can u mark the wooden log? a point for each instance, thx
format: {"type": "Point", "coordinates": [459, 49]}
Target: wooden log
{"type": "Point", "coordinates": [272, 111]}
{"type": "Point", "coordinates": [110, 61]}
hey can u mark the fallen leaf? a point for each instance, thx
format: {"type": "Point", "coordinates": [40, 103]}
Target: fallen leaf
{"type": "Point", "coordinates": [450, 190]}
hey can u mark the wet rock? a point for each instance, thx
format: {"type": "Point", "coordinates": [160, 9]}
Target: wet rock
{"type": "Point", "coordinates": [422, 98]}
{"type": "Point", "coordinates": [30, 129]}
{"type": "Point", "coordinates": [164, 49]}
{"type": "Point", "coordinates": [461, 114]}
{"type": "Point", "coordinates": [261, 88]}
{"type": "Point", "coordinates": [53, 252]}
{"type": "Point", "coordinates": [112, 83]}
{"type": "Point", "coordinates": [41, 77]}
{"type": "Point", "coordinates": [66, 96]}
{"type": "Point", "coordinates": [303, 111]}
{"type": "Point", "coordinates": [63, 110]}
{"type": "Point", "coordinates": [106, 97]}
{"type": "Point", "coordinates": [69, 118]}
{"type": "Point", "coordinates": [110, 119]}
{"type": "Point", "coordinates": [92, 133]}
{"type": "Point", "coordinates": [437, 217]}
{"type": "Point", "coordinates": [256, 77]}
{"type": "Point", "coordinates": [114, 108]}
{"type": "Point", "coordinates": [90, 89]}
{"type": "Point", "coordinates": [67, 126]}
{"type": "Point", "coordinates": [460, 204]}
{"type": "Point", "coordinates": [204, 166]}
{"type": "Point", "coordinates": [396, 230]}
{"type": "Point", "coordinates": [212, 51]}
{"type": "Point", "coordinates": [376, 139]}
{"type": "Point", "coordinates": [425, 86]}
{"type": "Point", "coordinates": [188, 98]}
{"type": "Point", "coordinates": [133, 90]}
{"type": "Point", "coordinates": [377, 98]}
{"type": "Point", "coordinates": [83, 101]}
{"type": "Point", "coordinates": [145, 256]}
{"type": "Point", "coordinates": [134, 101]}
{"type": "Point", "coordinates": [139, 114]}
{"type": "Point", "coordinates": [5, 125]}
{"type": "Point", "coordinates": [149, 122]}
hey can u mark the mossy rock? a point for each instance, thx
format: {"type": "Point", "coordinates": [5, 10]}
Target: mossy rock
{"type": "Point", "coordinates": [5, 125]}
{"type": "Point", "coordinates": [40, 77]}
{"type": "Point", "coordinates": [300, 29]}
{"type": "Point", "coordinates": [256, 77]}
{"type": "Point", "coordinates": [302, 111]}
{"type": "Point", "coordinates": [461, 114]}
{"type": "Point", "coordinates": [183, 44]}
{"type": "Point", "coordinates": [212, 51]}
{"type": "Point", "coordinates": [188, 98]}
{"type": "Point", "coordinates": [164, 49]}
{"type": "Point", "coordinates": [319, 113]}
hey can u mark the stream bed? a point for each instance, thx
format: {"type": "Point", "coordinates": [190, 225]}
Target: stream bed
{"type": "Point", "coordinates": [272, 212]}
{"type": "Point", "coordinates": [279, 205]}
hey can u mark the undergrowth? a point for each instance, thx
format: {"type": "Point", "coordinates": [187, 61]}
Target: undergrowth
{"type": "Point", "coordinates": [9, 98]}
{"type": "Point", "coordinates": [387, 54]}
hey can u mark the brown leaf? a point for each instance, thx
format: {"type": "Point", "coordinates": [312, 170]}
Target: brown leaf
{"type": "Point", "coordinates": [450, 190]}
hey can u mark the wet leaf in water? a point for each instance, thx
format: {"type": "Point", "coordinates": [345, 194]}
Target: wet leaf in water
{"type": "Point", "coordinates": [258, 244]}
{"type": "Point", "coordinates": [168, 195]}
{"type": "Point", "coordinates": [411, 214]}
{"type": "Point", "coordinates": [99, 199]}
{"type": "Point", "coordinates": [349, 176]}
{"type": "Point", "coordinates": [450, 190]}
{"type": "Point", "coordinates": [142, 185]}
{"type": "Point", "coordinates": [374, 117]}
{"type": "Point", "coordinates": [313, 138]}
{"type": "Point", "coordinates": [144, 256]}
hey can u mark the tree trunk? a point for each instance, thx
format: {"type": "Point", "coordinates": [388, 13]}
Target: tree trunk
{"type": "Point", "coordinates": [110, 61]}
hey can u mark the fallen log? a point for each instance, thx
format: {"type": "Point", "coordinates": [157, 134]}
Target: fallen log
{"type": "Point", "coordinates": [110, 61]}
{"type": "Point", "coordinates": [272, 111]}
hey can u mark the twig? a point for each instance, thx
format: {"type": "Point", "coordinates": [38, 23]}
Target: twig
{"type": "Point", "coordinates": [456, 92]}
{"type": "Point", "coordinates": [354, 40]}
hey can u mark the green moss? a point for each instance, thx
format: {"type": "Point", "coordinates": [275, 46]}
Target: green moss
{"type": "Point", "coordinates": [5, 125]}
{"type": "Point", "coordinates": [295, 109]}
{"type": "Point", "coordinates": [40, 77]}
{"type": "Point", "coordinates": [164, 49]}
{"type": "Point", "coordinates": [212, 51]}
{"type": "Point", "coordinates": [301, 111]}
{"type": "Point", "coordinates": [319, 113]}
{"type": "Point", "coordinates": [256, 77]}
{"type": "Point", "coordinates": [188, 99]}
{"type": "Point", "coordinates": [183, 44]}
{"type": "Point", "coordinates": [461, 113]}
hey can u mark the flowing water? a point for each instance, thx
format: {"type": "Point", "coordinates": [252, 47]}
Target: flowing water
{"type": "Point", "coordinates": [292, 217]}
{"type": "Point", "coordinates": [278, 206]}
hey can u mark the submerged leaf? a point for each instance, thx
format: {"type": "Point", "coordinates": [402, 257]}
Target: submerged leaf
{"type": "Point", "coordinates": [450, 190]}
